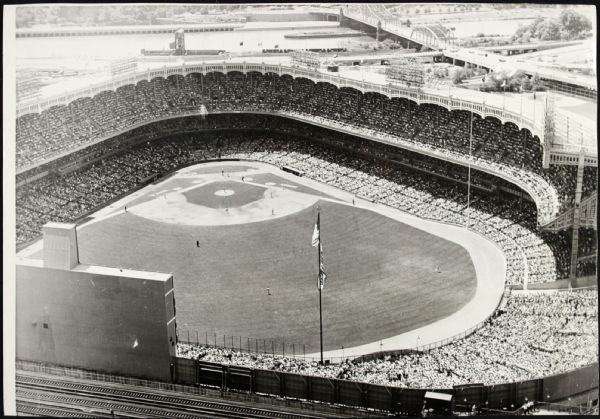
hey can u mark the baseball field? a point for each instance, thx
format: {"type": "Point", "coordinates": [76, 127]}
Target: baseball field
{"type": "Point", "coordinates": [243, 265]}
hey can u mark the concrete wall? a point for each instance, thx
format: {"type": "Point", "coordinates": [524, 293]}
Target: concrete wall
{"type": "Point", "coordinates": [562, 386]}
{"type": "Point", "coordinates": [93, 321]}
{"type": "Point", "coordinates": [581, 282]}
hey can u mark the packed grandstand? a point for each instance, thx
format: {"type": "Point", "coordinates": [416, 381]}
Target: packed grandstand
{"type": "Point", "coordinates": [503, 146]}
{"type": "Point", "coordinates": [66, 172]}
{"type": "Point", "coordinates": [539, 335]}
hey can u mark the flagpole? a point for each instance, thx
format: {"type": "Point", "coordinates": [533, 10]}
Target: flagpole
{"type": "Point", "coordinates": [321, 321]}
{"type": "Point", "coordinates": [319, 284]}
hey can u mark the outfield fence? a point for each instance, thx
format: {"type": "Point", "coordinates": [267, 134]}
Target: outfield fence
{"type": "Point", "coordinates": [282, 349]}
{"type": "Point", "coordinates": [248, 344]}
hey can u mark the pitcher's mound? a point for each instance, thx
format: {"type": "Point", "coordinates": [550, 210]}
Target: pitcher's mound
{"type": "Point", "coordinates": [224, 192]}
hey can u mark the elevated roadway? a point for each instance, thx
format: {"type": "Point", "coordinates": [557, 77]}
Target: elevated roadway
{"type": "Point", "coordinates": [530, 47]}
{"type": "Point", "coordinates": [496, 62]}
{"type": "Point", "coordinates": [375, 15]}
{"type": "Point", "coordinates": [377, 57]}
{"type": "Point", "coordinates": [379, 15]}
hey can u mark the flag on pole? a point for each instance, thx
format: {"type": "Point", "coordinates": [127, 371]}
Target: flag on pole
{"type": "Point", "coordinates": [316, 241]}
{"type": "Point", "coordinates": [503, 83]}
{"type": "Point", "coordinates": [323, 277]}
{"type": "Point", "coordinates": [322, 274]}
{"type": "Point", "coordinates": [316, 237]}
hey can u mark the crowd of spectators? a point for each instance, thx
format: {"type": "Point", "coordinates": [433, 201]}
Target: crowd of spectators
{"type": "Point", "coordinates": [590, 181]}
{"type": "Point", "coordinates": [495, 146]}
{"type": "Point", "coordinates": [588, 239]}
{"type": "Point", "coordinates": [408, 185]}
{"type": "Point", "coordinates": [587, 252]}
{"type": "Point", "coordinates": [537, 335]}
{"type": "Point", "coordinates": [70, 196]}
{"type": "Point", "coordinates": [587, 267]}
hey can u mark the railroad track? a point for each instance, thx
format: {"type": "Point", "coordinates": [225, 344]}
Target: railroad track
{"type": "Point", "coordinates": [98, 407]}
{"type": "Point", "coordinates": [39, 409]}
{"type": "Point", "coordinates": [54, 393]}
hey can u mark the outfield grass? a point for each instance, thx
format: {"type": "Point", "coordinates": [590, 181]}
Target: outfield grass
{"type": "Point", "coordinates": [382, 274]}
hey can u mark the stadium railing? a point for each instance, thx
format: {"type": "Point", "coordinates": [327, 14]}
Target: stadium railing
{"type": "Point", "coordinates": [242, 343]}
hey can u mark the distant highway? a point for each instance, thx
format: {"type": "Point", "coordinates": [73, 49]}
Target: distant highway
{"type": "Point", "coordinates": [500, 62]}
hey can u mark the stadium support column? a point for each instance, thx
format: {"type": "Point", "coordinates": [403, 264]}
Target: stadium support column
{"type": "Point", "coordinates": [549, 130]}
{"type": "Point", "coordinates": [576, 218]}
{"type": "Point", "coordinates": [469, 173]}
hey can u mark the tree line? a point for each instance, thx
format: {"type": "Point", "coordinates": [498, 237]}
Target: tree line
{"type": "Point", "coordinates": [568, 26]}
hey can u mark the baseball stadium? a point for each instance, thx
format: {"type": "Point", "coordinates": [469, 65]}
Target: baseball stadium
{"type": "Point", "coordinates": [251, 238]}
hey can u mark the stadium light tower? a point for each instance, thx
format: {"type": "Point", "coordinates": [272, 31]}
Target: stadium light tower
{"type": "Point", "coordinates": [469, 175]}
{"type": "Point", "coordinates": [179, 44]}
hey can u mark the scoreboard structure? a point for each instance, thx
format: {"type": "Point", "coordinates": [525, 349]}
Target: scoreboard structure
{"type": "Point", "coordinates": [115, 320]}
{"type": "Point", "coordinates": [409, 71]}
{"type": "Point", "coordinates": [123, 66]}
{"type": "Point", "coordinates": [308, 59]}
